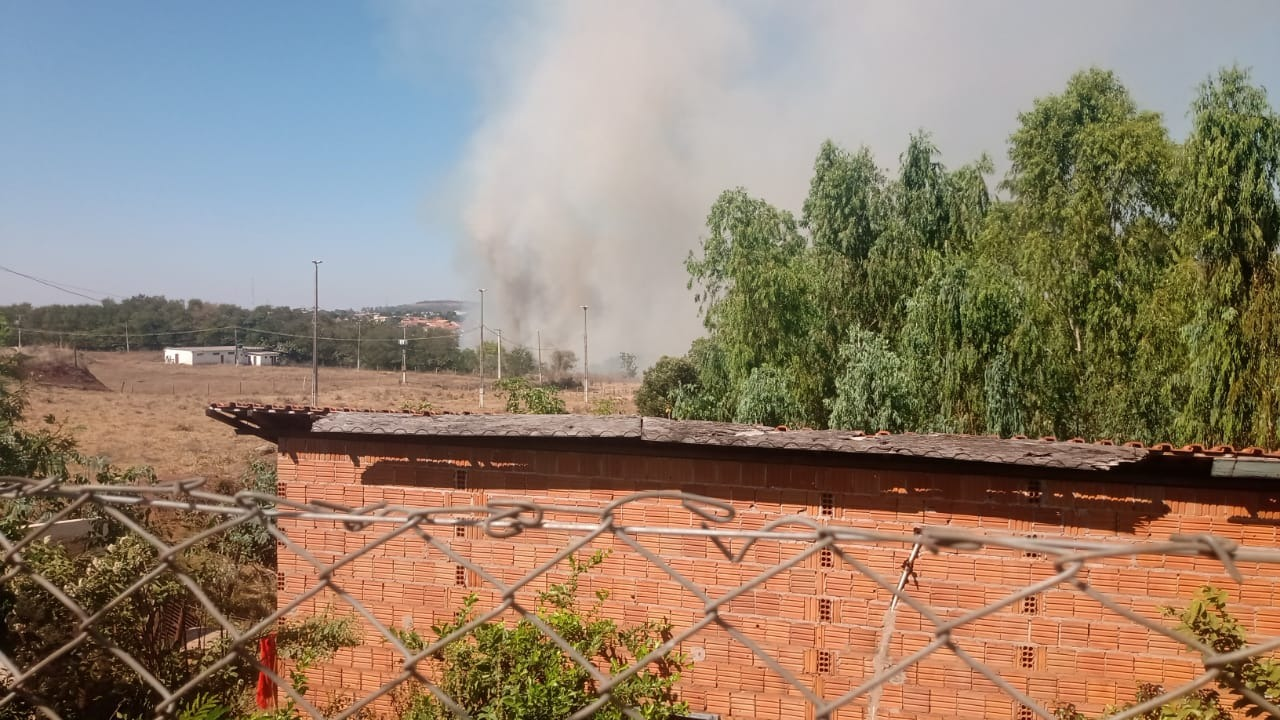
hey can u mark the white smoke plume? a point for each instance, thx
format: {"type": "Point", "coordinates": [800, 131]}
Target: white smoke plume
{"type": "Point", "coordinates": [609, 128]}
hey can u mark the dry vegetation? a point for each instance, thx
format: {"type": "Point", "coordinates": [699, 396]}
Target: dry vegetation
{"type": "Point", "coordinates": [153, 414]}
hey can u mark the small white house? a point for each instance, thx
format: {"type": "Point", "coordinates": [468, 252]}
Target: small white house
{"type": "Point", "coordinates": [210, 355]}
{"type": "Point", "coordinates": [260, 358]}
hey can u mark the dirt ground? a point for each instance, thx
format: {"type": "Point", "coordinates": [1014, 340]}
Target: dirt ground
{"type": "Point", "coordinates": [133, 409]}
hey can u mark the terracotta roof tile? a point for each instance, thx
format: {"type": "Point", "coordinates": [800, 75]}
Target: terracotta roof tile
{"type": "Point", "coordinates": [269, 420]}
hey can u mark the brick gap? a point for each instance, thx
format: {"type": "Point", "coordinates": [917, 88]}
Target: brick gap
{"type": "Point", "coordinates": [1027, 657]}
{"type": "Point", "coordinates": [1030, 605]}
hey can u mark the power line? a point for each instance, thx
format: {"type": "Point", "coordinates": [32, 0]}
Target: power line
{"type": "Point", "coordinates": [75, 333]}
{"type": "Point", "coordinates": [78, 333]}
{"type": "Point", "coordinates": [63, 287]}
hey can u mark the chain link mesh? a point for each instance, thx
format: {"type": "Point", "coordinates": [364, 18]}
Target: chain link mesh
{"type": "Point", "coordinates": [137, 511]}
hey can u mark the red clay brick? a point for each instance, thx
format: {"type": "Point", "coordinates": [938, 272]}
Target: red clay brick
{"type": "Point", "coordinates": [1088, 655]}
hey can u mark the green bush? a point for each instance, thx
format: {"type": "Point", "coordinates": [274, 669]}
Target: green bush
{"type": "Point", "coordinates": [659, 390]}
{"type": "Point", "coordinates": [499, 671]}
{"type": "Point", "coordinates": [527, 399]}
{"type": "Point", "coordinates": [605, 406]}
{"type": "Point", "coordinates": [1206, 619]}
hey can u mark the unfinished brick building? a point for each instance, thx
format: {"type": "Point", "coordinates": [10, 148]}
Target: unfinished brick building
{"type": "Point", "coordinates": [822, 619]}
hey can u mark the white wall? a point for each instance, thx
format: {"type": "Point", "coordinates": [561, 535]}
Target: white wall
{"type": "Point", "coordinates": [182, 356]}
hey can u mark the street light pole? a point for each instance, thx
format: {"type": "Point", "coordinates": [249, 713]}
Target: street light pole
{"type": "Point", "coordinates": [481, 347]}
{"type": "Point", "coordinates": [315, 339]}
{"type": "Point", "coordinates": [499, 334]}
{"type": "Point", "coordinates": [586, 382]}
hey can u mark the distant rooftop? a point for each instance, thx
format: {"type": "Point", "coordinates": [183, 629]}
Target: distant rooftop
{"type": "Point", "coordinates": [214, 348]}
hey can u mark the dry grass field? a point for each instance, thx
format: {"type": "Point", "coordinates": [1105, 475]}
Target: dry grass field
{"type": "Point", "coordinates": [152, 414]}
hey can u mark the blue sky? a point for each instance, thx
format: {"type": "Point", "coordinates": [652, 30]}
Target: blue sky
{"type": "Point", "coordinates": [559, 152]}
{"type": "Point", "coordinates": [213, 149]}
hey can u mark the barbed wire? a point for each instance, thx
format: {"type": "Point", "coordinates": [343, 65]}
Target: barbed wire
{"type": "Point", "coordinates": [860, 550]}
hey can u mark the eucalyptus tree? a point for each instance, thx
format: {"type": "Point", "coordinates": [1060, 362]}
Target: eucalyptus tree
{"type": "Point", "coordinates": [753, 287]}
{"type": "Point", "coordinates": [1091, 182]}
{"type": "Point", "coordinates": [1230, 229]}
{"type": "Point", "coordinates": [872, 391]}
{"type": "Point", "coordinates": [915, 236]}
{"type": "Point", "coordinates": [845, 214]}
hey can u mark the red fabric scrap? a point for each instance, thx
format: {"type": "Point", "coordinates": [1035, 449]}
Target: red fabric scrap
{"type": "Point", "coordinates": [266, 687]}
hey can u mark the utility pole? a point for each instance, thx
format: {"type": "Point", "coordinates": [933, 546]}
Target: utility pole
{"type": "Point", "coordinates": [481, 347]}
{"type": "Point", "coordinates": [539, 357]}
{"type": "Point", "coordinates": [359, 327]}
{"type": "Point", "coordinates": [499, 333]}
{"type": "Point", "coordinates": [126, 336]}
{"type": "Point", "coordinates": [586, 382]}
{"type": "Point", "coordinates": [315, 340]}
{"type": "Point", "coordinates": [19, 332]}
{"type": "Point", "coordinates": [404, 351]}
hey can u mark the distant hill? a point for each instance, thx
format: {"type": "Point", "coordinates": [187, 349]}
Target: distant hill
{"type": "Point", "coordinates": [426, 306]}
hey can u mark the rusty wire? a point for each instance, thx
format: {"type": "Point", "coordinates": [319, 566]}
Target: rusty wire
{"type": "Point", "coordinates": [1068, 557]}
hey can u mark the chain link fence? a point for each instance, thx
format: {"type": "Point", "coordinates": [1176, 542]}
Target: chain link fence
{"type": "Point", "coordinates": [163, 597]}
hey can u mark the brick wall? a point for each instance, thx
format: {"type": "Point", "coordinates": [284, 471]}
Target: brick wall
{"type": "Point", "coordinates": [821, 619]}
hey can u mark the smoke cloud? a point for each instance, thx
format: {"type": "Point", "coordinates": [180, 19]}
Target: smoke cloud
{"type": "Point", "coordinates": [609, 128]}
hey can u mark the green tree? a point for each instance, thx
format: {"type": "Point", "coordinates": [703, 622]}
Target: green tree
{"type": "Point", "coordinates": [958, 323]}
{"type": "Point", "coordinates": [1092, 180]}
{"type": "Point", "coordinates": [1231, 229]}
{"type": "Point", "coordinates": [519, 361]}
{"type": "Point", "coordinates": [713, 396]}
{"type": "Point", "coordinates": [871, 391]}
{"type": "Point", "coordinates": [766, 398]}
{"type": "Point", "coordinates": [753, 287]}
{"type": "Point", "coordinates": [657, 394]}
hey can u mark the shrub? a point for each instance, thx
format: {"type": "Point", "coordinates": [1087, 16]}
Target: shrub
{"type": "Point", "coordinates": [527, 399]}
{"type": "Point", "coordinates": [501, 671]}
{"type": "Point", "coordinates": [661, 385]}
{"type": "Point", "coordinates": [605, 406]}
{"type": "Point", "coordinates": [1206, 619]}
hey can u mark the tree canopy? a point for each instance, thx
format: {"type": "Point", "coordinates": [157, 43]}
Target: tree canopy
{"type": "Point", "coordinates": [1115, 283]}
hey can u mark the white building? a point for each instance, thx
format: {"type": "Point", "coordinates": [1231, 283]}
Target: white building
{"type": "Point", "coordinates": [259, 358]}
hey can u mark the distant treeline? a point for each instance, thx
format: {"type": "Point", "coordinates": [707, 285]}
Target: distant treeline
{"type": "Point", "coordinates": [1121, 284]}
{"type": "Point", "coordinates": [153, 323]}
